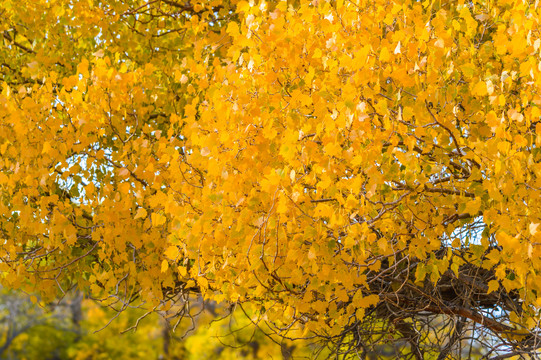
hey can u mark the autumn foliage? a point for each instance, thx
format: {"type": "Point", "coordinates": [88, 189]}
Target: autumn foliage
{"type": "Point", "coordinates": [367, 172]}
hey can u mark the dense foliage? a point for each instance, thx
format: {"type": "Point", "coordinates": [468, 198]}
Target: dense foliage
{"type": "Point", "coordinates": [365, 171]}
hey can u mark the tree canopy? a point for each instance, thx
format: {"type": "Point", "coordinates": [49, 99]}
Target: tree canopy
{"type": "Point", "coordinates": [363, 172]}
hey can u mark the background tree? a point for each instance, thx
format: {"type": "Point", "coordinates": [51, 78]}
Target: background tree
{"type": "Point", "coordinates": [36, 331]}
{"type": "Point", "coordinates": [366, 171]}
{"type": "Point", "coordinates": [29, 331]}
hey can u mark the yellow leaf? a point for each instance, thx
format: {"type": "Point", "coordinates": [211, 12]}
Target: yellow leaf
{"type": "Point", "coordinates": [439, 43]}
{"type": "Point", "coordinates": [203, 282]}
{"type": "Point", "coordinates": [141, 213]}
{"type": "Point", "coordinates": [490, 87]}
{"type": "Point", "coordinates": [397, 48]}
{"type": "Point", "coordinates": [282, 205]}
{"type": "Point", "coordinates": [480, 89]}
{"type": "Point", "coordinates": [46, 147]}
{"type": "Point", "coordinates": [367, 301]}
{"type": "Point", "coordinates": [473, 206]}
{"type": "Point", "coordinates": [205, 151]}
{"type": "Point", "coordinates": [165, 266]}
{"type": "Point", "coordinates": [493, 285]}
{"type": "Point", "coordinates": [123, 172]}
{"type": "Point", "coordinates": [182, 270]}
{"type": "Point", "coordinates": [384, 55]}
{"type": "Point", "coordinates": [352, 202]}
{"type": "Point", "coordinates": [492, 119]}
{"type": "Point", "coordinates": [157, 219]}
{"type": "Point", "coordinates": [82, 68]}
{"type": "Point", "coordinates": [333, 149]}
{"type": "Point", "coordinates": [99, 54]}
{"type": "Point", "coordinates": [468, 70]}
{"type": "Point", "coordinates": [233, 29]}
{"type": "Point", "coordinates": [533, 228]}
{"type": "Point", "coordinates": [171, 252]}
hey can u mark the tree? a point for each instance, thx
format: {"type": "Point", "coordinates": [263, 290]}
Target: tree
{"type": "Point", "coordinates": [365, 171]}
{"type": "Point", "coordinates": [82, 329]}
{"type": "Point", "coordinates": [28, 331]}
